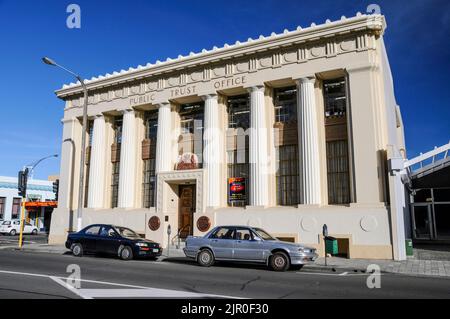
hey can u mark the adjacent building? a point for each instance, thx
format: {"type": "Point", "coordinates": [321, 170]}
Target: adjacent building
{"type": "Point", "coordinates": [40, 201]}
{"type": "Point", "coordinates": [288, 132]}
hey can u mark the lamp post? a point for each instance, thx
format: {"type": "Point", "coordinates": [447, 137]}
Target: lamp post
{"type": "Point", "coordinates": [49, 61]}
{"type": "Point", "coordinates": [22, 186]}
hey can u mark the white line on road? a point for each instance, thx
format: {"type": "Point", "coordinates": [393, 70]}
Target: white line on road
{"type": "Point", "coordinates": [137, 291]}
{"type": "Point", "coordinates": [326, 274]}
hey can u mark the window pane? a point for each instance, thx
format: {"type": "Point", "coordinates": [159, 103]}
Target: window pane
{"type": "Point", "coordinates": [287, 177]}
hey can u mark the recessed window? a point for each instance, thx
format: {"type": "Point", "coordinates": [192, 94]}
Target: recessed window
{"type": "Point", "coordinates": [191, 125]}
{"type": "Point", "coordinates": [238, 108]}
{"type": "Point", "coordinates": [149, 156]}
{"type": "Point", "coordinates": [337, 147]}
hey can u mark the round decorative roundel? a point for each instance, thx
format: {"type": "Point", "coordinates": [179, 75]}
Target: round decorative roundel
{"type": "Point", "coordinates": [203, 224]}
{"type": "Point", "coordinates": [154, 223]}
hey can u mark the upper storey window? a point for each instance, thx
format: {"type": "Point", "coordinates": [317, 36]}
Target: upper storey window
{"type": "Point", "coordinates": [285, 101]}
{"type": "Point", "coordinates": [191, 126]}
{"type": "Point", "coordinates": [335, 98]}
{"type": "Point", "coordinates": [239, 112]}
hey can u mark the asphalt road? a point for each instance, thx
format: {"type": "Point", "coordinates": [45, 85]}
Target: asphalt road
{"type": "Point", "coordinates": [39, 275]}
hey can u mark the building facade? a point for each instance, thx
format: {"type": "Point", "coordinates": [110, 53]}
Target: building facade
{"type": "Point", "coordinates": [287, 132]}
{"type": "Point", "coordinates": [37, 191]}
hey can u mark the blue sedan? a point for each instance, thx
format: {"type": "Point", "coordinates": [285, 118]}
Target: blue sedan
{"type": "Point", "coordinates": [112, 240]}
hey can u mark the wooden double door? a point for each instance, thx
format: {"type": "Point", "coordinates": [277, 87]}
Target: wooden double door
{"type": "Point", "coordinates": [186, 210]}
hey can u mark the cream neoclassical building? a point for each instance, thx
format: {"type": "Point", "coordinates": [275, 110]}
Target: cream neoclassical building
{"type": "Point", "coordinates": [287, 132]}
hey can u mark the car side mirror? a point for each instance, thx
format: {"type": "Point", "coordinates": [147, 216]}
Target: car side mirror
{"type": "Point", "coordinates": [257, 239]}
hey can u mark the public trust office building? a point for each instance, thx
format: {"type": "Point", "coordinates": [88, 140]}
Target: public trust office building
{"type": "Point", "coordinates": [286, 132]}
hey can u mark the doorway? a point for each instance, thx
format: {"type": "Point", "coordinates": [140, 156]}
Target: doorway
{"type": "Point", "coordinates": [186, 210]}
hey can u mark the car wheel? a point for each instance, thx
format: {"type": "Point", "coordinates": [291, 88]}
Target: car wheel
{"type": "Point", "coordinates": [126, 253]}
{"type": "Point", "coordinates": [13, 232]}
{"type": "Point", "coordinates": [205, 258]}
{"type": "Point", "coordinates": [77, 249]}
{"type": "Point", "coordinates": [279, 262]}
{"type": "Point", "coordinates": [34, 232]}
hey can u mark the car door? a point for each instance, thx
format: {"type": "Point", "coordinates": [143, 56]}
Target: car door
{"type": "Point", "coordinates": [89, 238]}
{"type": "Point", "coordinates": [248, 246]}
{"type": "Point", "coordinates": [108, 241]}
{"type": "Point", "coordinates": [16, 225]}
{"type": "Point", "coordinates": [28, 228]}
{"type": "Point", "coordinates": [222, 242]}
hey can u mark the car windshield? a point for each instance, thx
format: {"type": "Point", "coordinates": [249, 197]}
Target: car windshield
{"type": "Point", "coordinates": [127, 233]}
{"type": "Point", "coordinates": [6, 223]}
{"type": "Point", "coordinates": [263, 234]}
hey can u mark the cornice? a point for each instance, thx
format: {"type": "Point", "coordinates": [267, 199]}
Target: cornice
{"type": "Point", "coordinates": [371, 23]}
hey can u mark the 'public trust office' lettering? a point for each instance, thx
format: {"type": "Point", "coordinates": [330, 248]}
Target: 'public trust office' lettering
{"type": "Point", "coordinates": [226, 83]}
{"type": "Point", "coordinates": [144, 99]}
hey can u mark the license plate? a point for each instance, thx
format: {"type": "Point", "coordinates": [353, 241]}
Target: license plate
{"type": "Point", "coordinates": [155, 250]}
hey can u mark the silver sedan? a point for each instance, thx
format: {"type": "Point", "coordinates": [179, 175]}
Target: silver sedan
{"type": "Point", "coordinates": [247, 244]}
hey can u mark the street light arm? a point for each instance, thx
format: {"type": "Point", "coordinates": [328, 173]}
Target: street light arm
{"type": "Point", "coordinates": [33, 165]}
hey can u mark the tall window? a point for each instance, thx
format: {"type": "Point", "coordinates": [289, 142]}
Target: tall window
{"type": "Point", "coordinates": [115, 159]}
{"type": "Point", "coordinates": [90, 130]}
{"type": "Point", "coordinates": [2, 207]}
{"type": "Point", "coordinates": [191, 122]}
{"type": "Point", "coordinates": [286, 146]}
{"type": "Point", "coordinates": [237, 150]}
{"type": "Point", "coordinates": [336, 130]}
{"type": "Point", "coordinates": [149, 158]}
{"type": "Point", "coordinates": [15, 212]}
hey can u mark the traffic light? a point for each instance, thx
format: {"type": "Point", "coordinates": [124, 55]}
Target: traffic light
{"type": "Point", "coordinates": [56, 188]}
{"type": "Point", "coordinates": [22, 183]}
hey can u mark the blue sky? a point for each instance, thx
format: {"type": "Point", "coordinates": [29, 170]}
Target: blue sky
{"type": "Point", "coordinates": [118, 34]}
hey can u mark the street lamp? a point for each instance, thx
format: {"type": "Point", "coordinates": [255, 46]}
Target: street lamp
{"type": "Point", "coordinates": [49, 61]}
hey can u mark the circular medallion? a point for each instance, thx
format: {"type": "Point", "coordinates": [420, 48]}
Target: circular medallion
{"type": "Point", "coordinates": [368, 223]}
{"type": "Point", "coordinates": [203, 224]}
{"type": "Point", "coordinates": [309, 224]}
{"type": "Point", "coordinates": [154, 223]}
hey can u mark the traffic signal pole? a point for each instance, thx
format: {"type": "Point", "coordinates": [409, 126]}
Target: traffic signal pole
{"type": "Point", "coordinates": [22, 186]}
{"type": "Point", "coordinates": [22, 222]}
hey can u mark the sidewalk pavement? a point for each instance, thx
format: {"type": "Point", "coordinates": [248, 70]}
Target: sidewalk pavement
{"type": "Point", "coordinates": [412, 267]}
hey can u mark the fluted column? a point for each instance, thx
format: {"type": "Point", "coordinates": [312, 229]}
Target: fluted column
{"type": "Point", "coordinates": [211, 152]}
{"type": "Point", "coordinates": [259, 184]}
{"type": "Point", "coordinates": [163, 142]}
{"type": "Point", "coordinates": [127, 175]}
{"type": "Point", "coordinates": [308, 138]}
{"type": "Point", "coordinates": [96, 187]}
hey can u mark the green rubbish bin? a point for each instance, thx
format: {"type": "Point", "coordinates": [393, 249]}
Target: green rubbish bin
{"type": "Point", "coordinates": [409, 247]}
{"type": "Point", "coordinates": [331, 245]}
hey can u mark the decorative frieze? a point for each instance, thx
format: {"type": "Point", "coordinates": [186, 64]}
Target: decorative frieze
{"type": "Point", "coordinates": [184, 80]}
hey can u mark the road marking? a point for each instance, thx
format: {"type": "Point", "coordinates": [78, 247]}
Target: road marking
{"type": "Point", "coordinates": [77, 292]}
{"type": "Point", "coordinates": [326, 274]}
{"type": "Point", "coordinates": [136, 292]}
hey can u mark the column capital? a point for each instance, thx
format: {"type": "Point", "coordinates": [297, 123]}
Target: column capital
{"type": "Point", "coordinates": [163, 105]}
{"type": "Point", "coordinates": [212, 96]}
{"type": "Point", "coordinates": [126, 110]}
{"type": "Point", "coordinates": [305, 80]}
{"type": "Point", "coordinates": [256, 88]}
{"type": "Point", "coordinates": [99, 116]}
